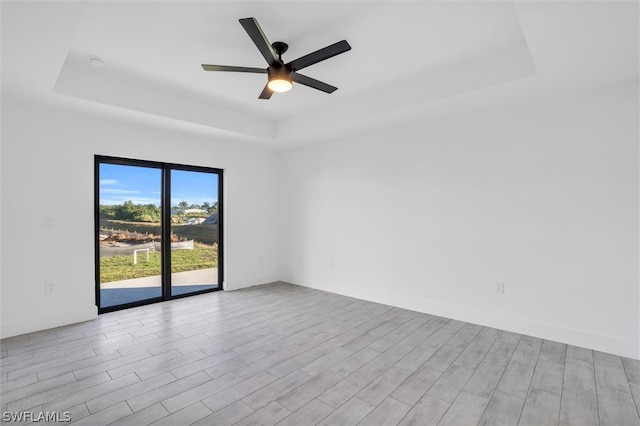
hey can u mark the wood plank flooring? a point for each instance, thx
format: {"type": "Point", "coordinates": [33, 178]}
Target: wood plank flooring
{"type": "Point", "coordinates": [288, 355]}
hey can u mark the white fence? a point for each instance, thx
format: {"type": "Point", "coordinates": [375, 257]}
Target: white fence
{"type": "Point", "coordinates": [125, 250]}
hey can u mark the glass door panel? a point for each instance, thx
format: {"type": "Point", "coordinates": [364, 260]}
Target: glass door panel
{"type": "Point", "coordinates": [130, 234]}
{"type": "Point", "coordinates": [194, 231]}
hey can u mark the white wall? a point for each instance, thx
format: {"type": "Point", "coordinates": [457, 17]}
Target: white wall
{"type": "Point", "coordinates": [423, 215]}
{"type": "Point", "coordinates": [47, 171]}
{"type": "Point", "coordinates": [430, 215]}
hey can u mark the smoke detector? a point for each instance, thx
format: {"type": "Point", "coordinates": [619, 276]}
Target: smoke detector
{"type": "Point", "coordinates": [96, 61]}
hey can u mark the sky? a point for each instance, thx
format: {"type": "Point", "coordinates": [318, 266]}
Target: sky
{"type": "Point", "coordinates": [142, 185]}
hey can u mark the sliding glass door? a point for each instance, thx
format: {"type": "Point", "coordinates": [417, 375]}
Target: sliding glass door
{"type": "Point", "coordinates": [158, 231]}
{"type": "Point", "coordinates": [194, 231]}
{"type": "Point", "coordinates": [130, 206]}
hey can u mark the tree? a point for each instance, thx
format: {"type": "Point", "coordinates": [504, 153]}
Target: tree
{"type": "Point", "coordinates": [183, 205]}
{"type": "Point", "coordinates": [107, 212]}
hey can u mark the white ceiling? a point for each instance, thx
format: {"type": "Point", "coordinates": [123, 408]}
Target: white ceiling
{"type": "Point", "coordinates": [423, 58]}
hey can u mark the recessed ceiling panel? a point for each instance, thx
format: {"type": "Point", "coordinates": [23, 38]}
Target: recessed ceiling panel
{"type": "Point", "coordinates": [157, 47]}
{"type": "Point", "coordinates": [405, 55]}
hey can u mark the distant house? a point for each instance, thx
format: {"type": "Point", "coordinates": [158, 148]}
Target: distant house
{"type": "Point", "coordinates": [187, 211]}
{"type": "Point", "coordinates": [195, 221]}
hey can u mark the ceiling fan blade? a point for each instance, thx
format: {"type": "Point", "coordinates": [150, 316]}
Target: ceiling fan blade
{"type": "Point", "coordinates": [262, 43]}
{"type": "Point", "coordinates": [266, 93]}
{"type": "Point", "coordinates": [312, 82]}
{"type": "Point", "coordinates": [234, 69]}
{"type": "Point", "coordinates": [319, 55]}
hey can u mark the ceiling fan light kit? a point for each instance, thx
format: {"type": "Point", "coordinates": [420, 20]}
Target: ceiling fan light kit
{"type": "Point", "coordinates": [280, 75]}
{"type": "Point", "coordinates": [279, 79]}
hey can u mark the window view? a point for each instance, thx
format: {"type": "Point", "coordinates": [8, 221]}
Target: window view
{"type": "Point", "coordinates": [134, 264]}
{"type": "Point", "coordinates": [130, 231]}
{"type": "Point", "coordinates": [194, 231]}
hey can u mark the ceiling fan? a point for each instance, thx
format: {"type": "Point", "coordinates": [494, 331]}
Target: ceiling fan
{"type": "Point", "coordinates": [281, 75]}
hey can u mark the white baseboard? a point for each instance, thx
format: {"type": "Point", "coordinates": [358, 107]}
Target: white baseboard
{"type": "Point", "coordinates": [576, 337]}
{"type": "Point", "coordinates": [45, 322]}
{"type": "Point", "coordinates": [230, 285]}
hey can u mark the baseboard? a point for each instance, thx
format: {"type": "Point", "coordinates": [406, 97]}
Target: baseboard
{"type": "Point", "coordinates": [576, 337]}
{"type": "Point", "coordinates": [45, 322]}
{"type": "Point", "coordinates": [230, 285]}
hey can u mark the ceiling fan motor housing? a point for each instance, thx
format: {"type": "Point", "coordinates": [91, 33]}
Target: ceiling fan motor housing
{"type": "Point", "coordinates": [280, 72]}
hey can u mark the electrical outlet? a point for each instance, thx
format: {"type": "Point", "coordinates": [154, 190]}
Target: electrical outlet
{"type": "Point", "coordinates": [49, 287]}
{"type": "Point", "coordinates": [500, 288]}
{"type": "Point", "coordinates": [48, 222]}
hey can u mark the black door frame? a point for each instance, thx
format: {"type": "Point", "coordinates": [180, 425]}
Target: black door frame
{"type": "Point", "coordinates": [165, 225]}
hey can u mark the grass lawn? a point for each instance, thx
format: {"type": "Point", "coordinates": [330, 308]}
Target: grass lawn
{"type": "Point", "coordinates": [118, 268]}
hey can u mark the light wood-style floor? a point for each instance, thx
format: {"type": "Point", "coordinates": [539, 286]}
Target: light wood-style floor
{"type": "Point", "coordinates": [283, 354]}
